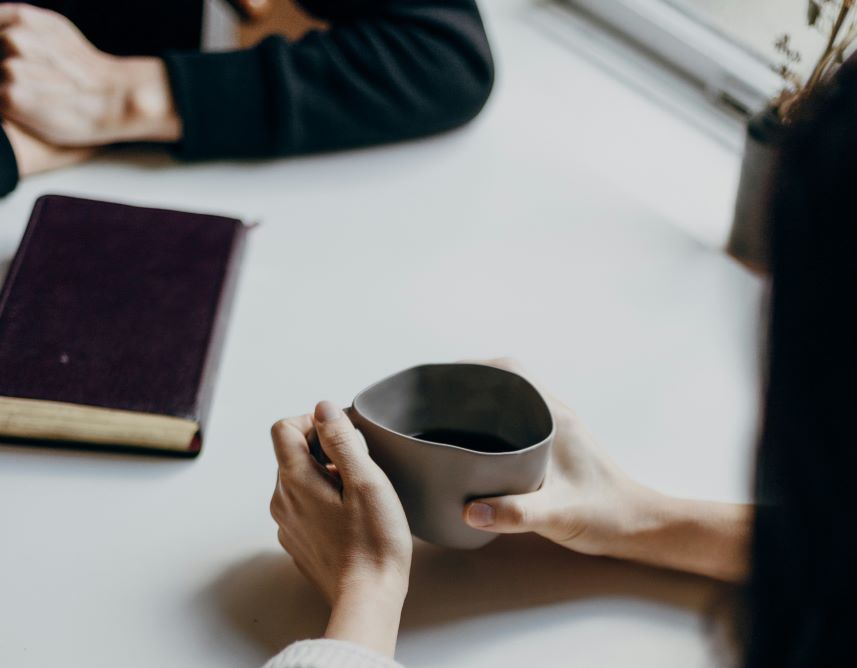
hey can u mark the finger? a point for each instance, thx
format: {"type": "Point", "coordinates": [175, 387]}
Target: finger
{"type": "Point", "coordinates": [514, 366]}
{"type": "Point", "coordinates": [303, 423]}
{"type": "Point", "coordinates": [505, 363]}
{"type": "Point", "coordinates": [506, 514]}
{"type": "Point", "coordinates": [290, 444]}
{"type": "Point", "coordinates": [251, 10]}
{"type": "Point", "coordinates": [32, 77]}
{"type": "Point", "coordinates": [17, 101]}
{"type": "Point", "coordinates": [10, 13]}
{"type": "Point", "coordinates": [342, 443]}
{"type": "Point", "coordinates": [18, 40]}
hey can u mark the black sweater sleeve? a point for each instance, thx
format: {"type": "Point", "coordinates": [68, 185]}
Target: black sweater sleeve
{"type": "Point", "coordinates": [386, 70]}
{"type": "Point", "coordinates": [8, 166]}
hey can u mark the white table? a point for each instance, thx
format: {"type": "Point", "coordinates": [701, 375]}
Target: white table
{"type": "Point", "coordinates": [571, 226]}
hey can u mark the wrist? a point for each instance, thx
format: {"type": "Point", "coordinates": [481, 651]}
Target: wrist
{"type": "Point", "coordinates": [367, 611]}
{"type": "Point", "coordinates": [147, 110]}
{"type": "Point", "coordinates": [650, 514]}
{"type": "Point", "coordinates": [643, 515]}
{"type": "Point", "coordinates": [702, 537]}
{"type": "Point", "coordinates": [387, 586]}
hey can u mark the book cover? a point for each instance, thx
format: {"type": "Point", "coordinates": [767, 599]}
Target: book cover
{"type": "Point", "coordinates": [112, 320]}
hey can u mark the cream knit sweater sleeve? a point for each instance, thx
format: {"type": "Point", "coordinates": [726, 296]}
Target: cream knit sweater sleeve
{"type": "Point", "coordinates": [329, 654]}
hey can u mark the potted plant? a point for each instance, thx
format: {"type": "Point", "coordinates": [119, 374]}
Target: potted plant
{"type": "Point", "coordinates": [837, 21]}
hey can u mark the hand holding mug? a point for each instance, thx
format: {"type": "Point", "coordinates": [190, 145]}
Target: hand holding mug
{"type": "Point", "coordinates": [344, 526]}
{"type": "Point", "coordinates": [589, 505]}
{"type": "Point", "coordinates": [586, 502]}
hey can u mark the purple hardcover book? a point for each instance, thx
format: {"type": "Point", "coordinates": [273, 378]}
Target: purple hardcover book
{"type": "Point", "coordinates": [111, 324]}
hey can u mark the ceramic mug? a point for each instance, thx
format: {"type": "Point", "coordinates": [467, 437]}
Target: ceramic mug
{"type": "Point", "coordinates": [502, 431]}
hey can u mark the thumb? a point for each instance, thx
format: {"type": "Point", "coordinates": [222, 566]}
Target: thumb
{"type": "Point", "coordinates": [505, 514]}
{"type": "Point", "coordinates": [342, 443]}
{"type": "Point", "coordinates": [251, 10]}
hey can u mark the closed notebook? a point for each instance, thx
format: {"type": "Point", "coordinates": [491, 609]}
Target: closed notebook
{"type": "Point", "coordinates": [112, 319]}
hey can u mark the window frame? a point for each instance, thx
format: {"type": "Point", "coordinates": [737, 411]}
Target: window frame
{"type": "Point", "coordinates": [727, 71]}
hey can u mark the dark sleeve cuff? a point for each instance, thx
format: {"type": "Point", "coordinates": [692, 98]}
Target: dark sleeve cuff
{"type": "Point", "coordinates": [341, 10]}
{"type": "Point", "coordinates": [8, 165]}
{"type": "Point", "coordinates": [217, 122]}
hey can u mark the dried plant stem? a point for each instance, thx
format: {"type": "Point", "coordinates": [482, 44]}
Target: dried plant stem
{"type": "Point", "coordinates": [834, 53]}
{"type": "Point", "coordinates": [824, 61]}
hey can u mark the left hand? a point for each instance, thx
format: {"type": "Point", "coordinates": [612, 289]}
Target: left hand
{"type": "Point", "coordinates": [34, 155]}
{"type": "Point", "coordinates": [586, 503]}
{"type": "Point", "coordinates": [63, 90]}
{"type": "Point", "coordinates": [344, 526]}
{"type": "Point", "coordinates": [589, 505]}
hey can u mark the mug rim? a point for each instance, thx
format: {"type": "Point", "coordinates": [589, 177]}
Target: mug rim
{"type": "Point", "coordinates": [529, 448]}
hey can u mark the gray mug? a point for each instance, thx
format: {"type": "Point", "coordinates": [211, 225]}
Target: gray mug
{"type": "Point", "coordinates": [448, 433]}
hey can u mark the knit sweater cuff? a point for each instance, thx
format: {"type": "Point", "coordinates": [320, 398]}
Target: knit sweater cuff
{"type": "Point", "coordinates": [329, 654]}
{"type": "Point", "coordinates": [224, 102]}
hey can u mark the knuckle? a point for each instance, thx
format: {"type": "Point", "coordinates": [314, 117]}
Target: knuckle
{"type": "Point", "coordinates": [338, 437]}
{"type": "Point", "coordinates": [364, 486]}
{"type": "Point", "coordinates": [287, 491]}
{"type": "Point", "coordinates": [13, 38]}
{"type": "Point", "coordinates": [13, 96]}
{"type": "Point", "coordinates": [278, 429]}
{"type": "Point", "coordinates": [10, 70]}
{"type": "Point", "coordinates": [27, 12]}
{"type": "Point", "coordinates": [517, 515]}
{"type": "Point", "coordinates": [14, 9]}
{"type": "Point", "coordinates": [278, 511]}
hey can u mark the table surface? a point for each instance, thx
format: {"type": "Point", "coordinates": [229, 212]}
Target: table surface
{"type": "Point", "coordinates": [574, 225]}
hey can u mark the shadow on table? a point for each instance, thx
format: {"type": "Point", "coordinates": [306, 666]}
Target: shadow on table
{"type": "Point", "coordinates": [266, 599]}
{"type": "Point", "coordinates": [154, 158]}
{"type": "Point", "coordinates": [145, 156]}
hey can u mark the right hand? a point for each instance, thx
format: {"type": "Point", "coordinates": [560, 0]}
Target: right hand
{"type": "Point", "coordinates": [61, 89]}
{"type": "Point", "coordinates": [587, 503]}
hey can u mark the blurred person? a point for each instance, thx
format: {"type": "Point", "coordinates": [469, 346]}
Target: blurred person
{"type": "Point", "coordinates": [792, 554]}
{"type": "Point", "coordinates": [384, 71]}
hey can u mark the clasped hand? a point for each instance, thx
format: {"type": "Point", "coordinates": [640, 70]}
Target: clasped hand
{"type": "Point", "coordinates": [60, 96]}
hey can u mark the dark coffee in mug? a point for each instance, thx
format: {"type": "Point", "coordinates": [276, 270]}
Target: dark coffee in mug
{"type": "Point", "coordinates": [472, 440]}
{"type": "Point", "coordinates": [448, 433]}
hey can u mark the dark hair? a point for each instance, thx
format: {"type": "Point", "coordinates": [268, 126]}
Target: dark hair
{"type": "Point", "coordinates": [801, 607]}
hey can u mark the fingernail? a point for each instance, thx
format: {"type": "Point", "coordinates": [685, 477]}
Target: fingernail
{"type": "Point", "coordinates": [327, 411]}
{"type": "Point", "coordinates": [480, 515]}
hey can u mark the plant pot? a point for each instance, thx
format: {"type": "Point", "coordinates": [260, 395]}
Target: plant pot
{"type": "Point", "coordinates": [750, 238]}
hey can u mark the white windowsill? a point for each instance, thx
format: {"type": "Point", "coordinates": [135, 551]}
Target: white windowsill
{"type": "Point", "coordinates": [727, 71]}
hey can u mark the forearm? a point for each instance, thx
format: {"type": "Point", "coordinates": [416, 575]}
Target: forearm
{"type": "Point", "coordinates": [701, 537]}
{"type": "Point", "coordinates": [394, 70]}
{"type": "Point", "coordinates": [368, 615]}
